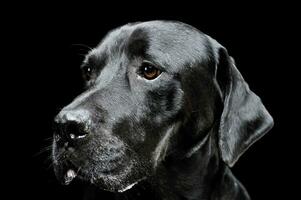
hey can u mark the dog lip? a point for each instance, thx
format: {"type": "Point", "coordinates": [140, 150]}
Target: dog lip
{"type": "Point", "coordinates": [128, 187]}
{"type": "Point", "coordinates": [131, 185]}
{"type": "Point", "coordinates": [69, 176]}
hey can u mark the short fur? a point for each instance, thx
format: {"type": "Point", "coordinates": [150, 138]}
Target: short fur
{"type": "Point", "coordinates": [178, 134]}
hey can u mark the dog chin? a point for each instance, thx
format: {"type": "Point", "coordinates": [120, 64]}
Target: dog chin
{"type": "Point", "coordinates": [119, 180]}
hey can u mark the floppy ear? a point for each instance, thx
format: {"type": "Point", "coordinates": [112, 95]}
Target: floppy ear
{"type": "Point", "coordinates": [244, 119]}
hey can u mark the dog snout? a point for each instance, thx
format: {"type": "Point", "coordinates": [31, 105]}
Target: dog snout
{"type": "Point", "coordinates": [72, 124]}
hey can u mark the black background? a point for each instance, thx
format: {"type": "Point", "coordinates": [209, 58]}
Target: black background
{"type": "Point", "coordinates": [43, 55]}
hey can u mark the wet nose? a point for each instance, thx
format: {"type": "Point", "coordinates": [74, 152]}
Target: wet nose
{"type": "Point", "coordinates": [72, 124]}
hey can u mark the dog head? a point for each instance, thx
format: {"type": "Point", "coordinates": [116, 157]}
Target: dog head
{"type": "Point", "coordinates": [153, 90]}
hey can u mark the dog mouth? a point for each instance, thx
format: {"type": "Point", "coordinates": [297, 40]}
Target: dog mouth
{"type": "Point", "coordinates": [66, 172]}
{"type": "Point", "coordinates": [110, 172]}
{"type": "Point", "coordinates": [103, 179]}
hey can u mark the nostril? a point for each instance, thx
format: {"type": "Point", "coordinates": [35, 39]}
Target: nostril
{"type": "Point", "coordinates": [71, 124]}
{"type": "Point", "coordinates": [75, 130]}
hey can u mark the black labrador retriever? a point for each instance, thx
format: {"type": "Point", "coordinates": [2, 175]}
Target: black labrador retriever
{"type": "Point", "coordinates": [164, 104]}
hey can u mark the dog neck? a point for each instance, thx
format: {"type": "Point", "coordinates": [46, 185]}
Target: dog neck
{"type": "Point", "coordinates": [201, 175]}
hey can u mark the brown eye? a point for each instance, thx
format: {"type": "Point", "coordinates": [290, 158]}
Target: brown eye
{"type": "Point", "coordinates": [149, 72]}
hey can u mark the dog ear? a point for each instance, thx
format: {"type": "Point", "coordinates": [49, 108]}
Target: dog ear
{"type": "Point", "coordinates": [244, 118]}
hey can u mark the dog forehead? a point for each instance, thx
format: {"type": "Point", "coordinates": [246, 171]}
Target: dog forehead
{"type": "Point", "coordinates": [168, 43]}
{"type": "Point", "coordinates": [176, 44]}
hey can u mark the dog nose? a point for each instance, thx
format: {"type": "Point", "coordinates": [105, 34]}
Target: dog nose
{"type": "Point", "coordinates": [73, 124]}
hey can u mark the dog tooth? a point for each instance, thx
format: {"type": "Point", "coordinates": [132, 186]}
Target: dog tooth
{"type": "Point", "coordinates": [70, 175]}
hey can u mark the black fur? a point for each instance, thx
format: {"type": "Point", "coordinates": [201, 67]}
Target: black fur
{"type": "Point", "coordinates": [176, 135]}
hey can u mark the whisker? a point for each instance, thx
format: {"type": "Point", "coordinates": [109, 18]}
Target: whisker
{"type": "Point", "coordinates": [48, 139]}
{"type": "Point", "coordinates": [43, 150]}
{"type": "Point", "coordinates": [83, 45]}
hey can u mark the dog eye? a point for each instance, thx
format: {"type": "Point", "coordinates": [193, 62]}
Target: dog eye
{"type": "Point", "coordinates": [87, 72]}
{"type": "Point", "coordinates": [149, 72]}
